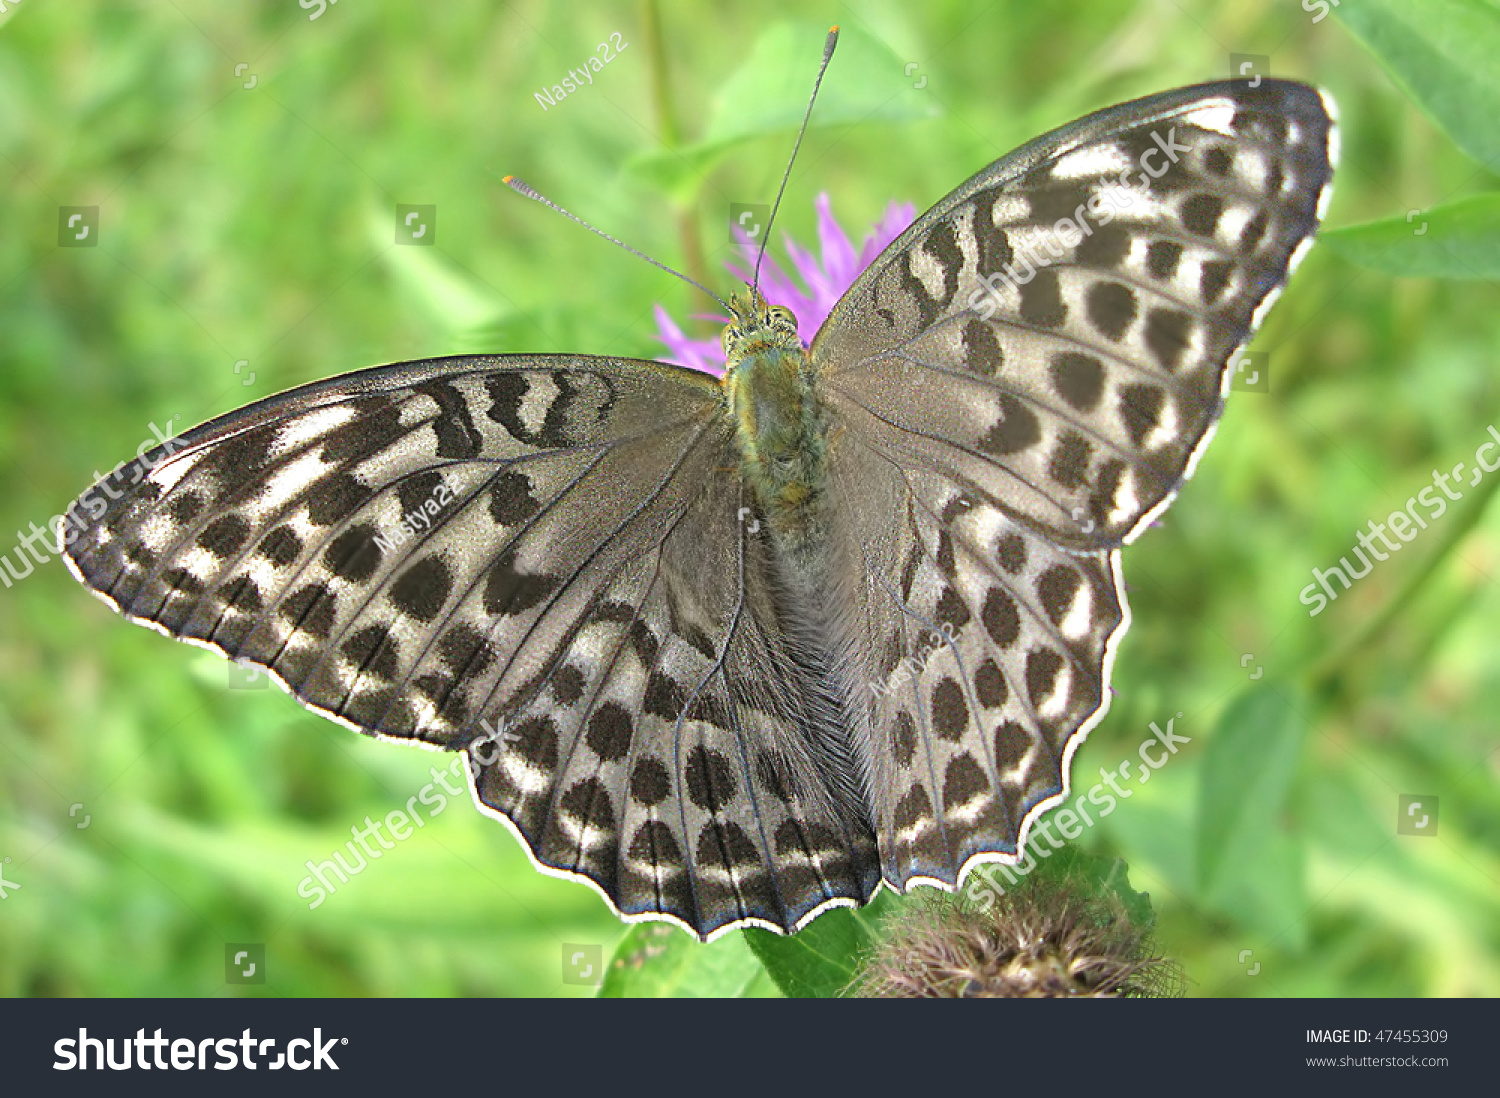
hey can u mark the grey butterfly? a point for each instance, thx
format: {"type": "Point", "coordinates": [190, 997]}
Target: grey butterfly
{"type": "Point", "coordinates": [736, 653]}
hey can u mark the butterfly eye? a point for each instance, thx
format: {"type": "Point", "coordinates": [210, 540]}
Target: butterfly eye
{"type": "Point", "coordinates": [782, 314]}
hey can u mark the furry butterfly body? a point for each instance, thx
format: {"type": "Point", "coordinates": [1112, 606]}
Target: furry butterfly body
{"type": "Point", "coordinates": [735, 652]}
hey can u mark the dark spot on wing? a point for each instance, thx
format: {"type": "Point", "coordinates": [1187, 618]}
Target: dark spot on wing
{"type": "Point", "coordinates": [422, 589]}
{"type": "Point", "coordinates": [1001, 619]}
{"type": "Point", "coordinates": [1078, 379]}
{"type": "Point", "coordinates": [1111, 308]}
{"type": "Point", "coordinates": [353, 555]}
{"type": "Point", "coordinates": [1162, 257]}
{"type": "Point", "coordinates": [311, 609]}
{"type": "Point", "coordinates": [710, 780]}
{"type": "Point", "coordinates": [1017, 429]}
{"type": "Point", "coordinates": [649, 782]}
{"type": "Point", "coordinates": [610, 732]}
{"type": "Point", "coordinates": [511, 501]}
{"type": "Point", "coordinates": [1041, 300]}
{"type": "Point", "coordinates": [373, 651]}
{"type": "Point", "coordinates": [225, 536]}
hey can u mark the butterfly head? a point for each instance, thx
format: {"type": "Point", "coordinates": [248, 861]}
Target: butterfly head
{"type": "Point", "coordinates": [756, 326]}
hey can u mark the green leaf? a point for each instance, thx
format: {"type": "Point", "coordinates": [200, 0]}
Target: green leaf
{"type": "Point", "coordinates": [819, 961]}
{"type": "Point", "coordinates": [1092, 874]}
{"type": "Point", "coordinates": [1267, 892]}
{"type": "Point", "coordinates": [1442, 54]}
{"type": "Point", "coordinates": [679, 171]}
{"type": "Point", "coordinates": [866, 82]}
{"type": "Point", "coordinates": [1456, 240]}
{"type": "Point", "coordinates": [1248, 863]}
{"type": "Point", "coordinates": [657, 960]}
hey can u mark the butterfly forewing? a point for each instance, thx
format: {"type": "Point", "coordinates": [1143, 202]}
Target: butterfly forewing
{"type": "Point", "coordinates": [1029, 373]}
{"type": "Point", "coordinates": [1049, 322]}
{"type": "Point", "coordinates": [352, 535]}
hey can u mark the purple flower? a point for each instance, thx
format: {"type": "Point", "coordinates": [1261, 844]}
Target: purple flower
{"type": "Point", "coordinates": [825, 281]}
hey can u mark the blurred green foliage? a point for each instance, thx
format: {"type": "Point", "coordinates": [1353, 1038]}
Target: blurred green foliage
{"type": "Point", "coordinates": [150, 814]}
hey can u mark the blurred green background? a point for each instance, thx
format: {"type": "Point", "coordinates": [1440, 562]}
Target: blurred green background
{"type": "Point", "coordinates": [150, 814]}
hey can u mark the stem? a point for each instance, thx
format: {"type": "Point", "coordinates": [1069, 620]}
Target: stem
{"type": "Point", "coordinates": [661, 84]}
{"type": "Point", "coordinates": [689, 236]}
{"type": "Point", "coordinates": [1326, 673]}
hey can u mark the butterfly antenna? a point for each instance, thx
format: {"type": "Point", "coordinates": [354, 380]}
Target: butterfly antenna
{"type": "Point", "coordinates": [828, 44]}
{"type": "Point", "coordinates": [521, 188]}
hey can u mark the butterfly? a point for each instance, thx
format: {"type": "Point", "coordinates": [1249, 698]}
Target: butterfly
{"type": "Point", "coordinates": [735, 652]}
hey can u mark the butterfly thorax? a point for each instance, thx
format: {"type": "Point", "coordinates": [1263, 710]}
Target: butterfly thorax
{"type": "Point", "coordinates": [779, 424]}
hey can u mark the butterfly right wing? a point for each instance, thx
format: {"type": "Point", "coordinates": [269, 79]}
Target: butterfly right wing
{"type": "Point", "coordinates": [542, 560]}
{"type": "Point", "coordinates": [1017, 385]}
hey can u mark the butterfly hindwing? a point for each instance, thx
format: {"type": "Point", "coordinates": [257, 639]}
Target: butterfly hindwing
{"type": "Point", "coordinates": [1017, 385]}
{"type": "Point", "coordinates": [992, 648]}
{"type": "Point", "coordinates": [660, 754]}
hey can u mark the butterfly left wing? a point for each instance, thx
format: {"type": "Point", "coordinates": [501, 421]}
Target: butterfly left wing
{"type": "Point", "coordinates": [547, 561]}
{"type": "Point", "coordinates": [1017, 385]}
{"type": "Point", "coordinates": [269, 532]}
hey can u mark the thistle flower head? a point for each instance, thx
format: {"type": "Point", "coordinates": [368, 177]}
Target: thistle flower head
{"type": "Point", "coordinates": [1051, 940]}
